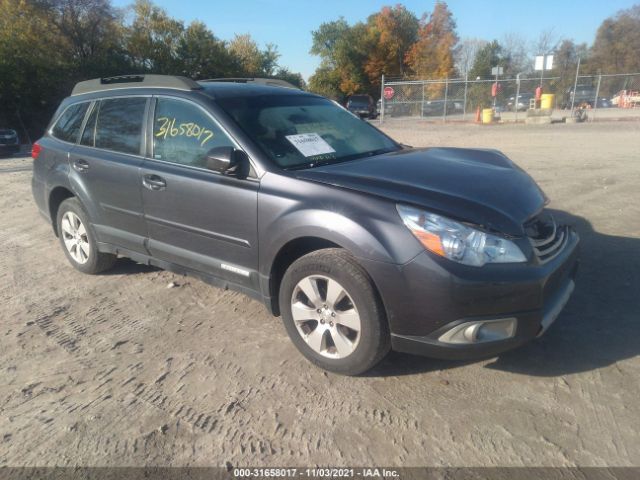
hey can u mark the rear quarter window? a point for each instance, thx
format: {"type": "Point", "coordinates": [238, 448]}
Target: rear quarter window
{"type": "Point", "coordinates": [67, 127]}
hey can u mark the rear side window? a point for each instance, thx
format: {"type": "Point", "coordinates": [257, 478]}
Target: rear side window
{"type": "Point", "coordinates": [119, 124]}
{"type": "Point", "coordinates": [68, 125]}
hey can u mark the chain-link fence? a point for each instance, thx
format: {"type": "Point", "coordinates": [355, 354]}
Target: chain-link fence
{"type": "Point", "coordinates": [451, 100]}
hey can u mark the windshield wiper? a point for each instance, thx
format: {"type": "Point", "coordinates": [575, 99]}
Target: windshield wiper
{"type": "Point", "coordinates": [356, 156]}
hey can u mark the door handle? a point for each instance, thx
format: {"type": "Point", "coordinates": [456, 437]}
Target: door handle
{"type": "Point", "coordinates": [154, 182]}
{"type": "Point", "coordinates": [80, 165]}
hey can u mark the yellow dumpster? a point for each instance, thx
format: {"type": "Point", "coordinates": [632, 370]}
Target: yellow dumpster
{"type": "Point", "coordinates": [547, 100]}
{"type": "Point", "coordinates": [487, 115]}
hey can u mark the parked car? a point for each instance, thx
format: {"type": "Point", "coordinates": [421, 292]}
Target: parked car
{"type": "Point", "coordinates": [436, 107]}
{"type": "Point", "coordinates": [604, 103]}
{"type": "Point", "coordinates": [361, 244]}
{"type": "Point", "coordinates": [9, 142]}
{"type": "Point", "coordinates": [584, 94]}
{"type": "Point", "coordinates": [362, 105]}
{"type": "Point", "coordinates": [524, 100]}
{"type": "Point", "coordinates": [394, 109]}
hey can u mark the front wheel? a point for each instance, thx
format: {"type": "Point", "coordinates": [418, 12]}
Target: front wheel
{"type": "Point", "coordinates": [332, 312]}
{"type": "Point", "coordinates": [78, 240]}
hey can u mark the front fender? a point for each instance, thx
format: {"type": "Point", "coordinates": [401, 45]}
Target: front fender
{"type": "Point", "coordinates": [368, 227]}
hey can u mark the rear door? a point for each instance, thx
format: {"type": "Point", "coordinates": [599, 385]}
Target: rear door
{"type": "Point", "coordinates": [105, 169]}
{"type": "Point", "coordinates": [195, 217]}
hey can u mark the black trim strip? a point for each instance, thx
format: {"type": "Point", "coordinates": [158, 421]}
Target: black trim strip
{"type": "Point", "coordinates": [106, 206]}
{"type": "Point", "coordinates": [199, 231]}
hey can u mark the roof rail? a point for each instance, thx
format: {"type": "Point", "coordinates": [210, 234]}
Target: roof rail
{"type": "Point", "coordinates": [135, 81]}
{"type": "Point", "coordinates": [273, 82]}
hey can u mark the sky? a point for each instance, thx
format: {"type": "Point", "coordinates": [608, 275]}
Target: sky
{"type": "Point", "coordinates": [289, 23]}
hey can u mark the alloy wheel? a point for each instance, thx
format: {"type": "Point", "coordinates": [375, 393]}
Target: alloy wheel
{"type": "Point", "coordinates": [75, 237]}
{"type": "Point", "coordinates": [326, 316]}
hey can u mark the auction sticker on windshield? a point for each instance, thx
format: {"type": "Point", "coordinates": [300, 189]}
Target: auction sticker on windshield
{"type": "Point", "coordinates": [310, 144]}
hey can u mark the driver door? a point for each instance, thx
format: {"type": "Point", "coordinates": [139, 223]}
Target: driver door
{"type": "Point", "coordinates": [200, 219]}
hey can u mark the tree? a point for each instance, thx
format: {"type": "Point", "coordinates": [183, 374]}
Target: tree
{"type": "Point", "coordinates": [465, 54]}
{"type": "Point", "coordinates": [343, 53]}
{"type": "Point", "coordinates": [432, 56]}
{"type": "Point", "coordinates": [617, 44]}
{"type": "Point", "coordinates": [489, 56]}
{"type": "Point", "coordinates": [514, 47]}
{"type": "Point", "coordinates": [153, 39]}
{"type": "Point", "coordinates": [30, 58]}
{"type": "Point", "coordinates": [391, 33]}
{"type": "Point", "coordinates": [296, 79]}
{"type": "Point", "coordinates": [89, 33]}
{"type": "Point", "coordinates": [245, 51]}
{"type": "Point", "coordinates": [203, 55]}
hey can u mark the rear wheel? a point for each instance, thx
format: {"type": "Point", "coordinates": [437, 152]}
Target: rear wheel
{"type": "Point", "coordinates": [78, 240]}
{"type": "Point", "coordinates": [332, 312]}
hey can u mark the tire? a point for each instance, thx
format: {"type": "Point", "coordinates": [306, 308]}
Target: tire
{"type": "Point", "coordinates": [330, 337]}
{"type": "Point", "coordinates": [78, 240]}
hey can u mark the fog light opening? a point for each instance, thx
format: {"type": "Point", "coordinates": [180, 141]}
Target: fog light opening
{"type": "Point", "coordinates": [481, 331]}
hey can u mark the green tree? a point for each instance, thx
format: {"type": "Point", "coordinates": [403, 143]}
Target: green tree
{"type": "Point", "coordinates": [245, 51]}
{"type": "Point", "coordinates": [202, 55]}
{"type": "Point", "coordinates": [489, 56]}
{"type": "Point", "coordinates": [343, 53]}
{"type": "Point", "coordinates": [293, 78]}
{"type": "Point", "coordinates": [89, 34]}
{"type": "Point", "coordinates": [153, 39]}
{"type": "Point", "coordinates": [34, 71]}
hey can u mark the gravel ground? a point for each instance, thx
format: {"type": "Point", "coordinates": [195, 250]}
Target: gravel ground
{"type": "Point", "coordinates": [118, 369]}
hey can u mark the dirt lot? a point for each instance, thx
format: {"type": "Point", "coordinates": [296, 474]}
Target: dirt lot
{"type": "Point", "coordinates": [118, 369]}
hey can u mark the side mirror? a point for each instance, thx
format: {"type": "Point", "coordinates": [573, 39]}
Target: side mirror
{"type": "Point", "coordinates": [223, 159]}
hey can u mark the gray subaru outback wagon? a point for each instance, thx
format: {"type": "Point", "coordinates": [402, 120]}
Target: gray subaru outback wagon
{"type": "Point", "coordinates": [361, 244]}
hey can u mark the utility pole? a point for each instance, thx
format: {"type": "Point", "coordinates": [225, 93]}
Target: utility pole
{"type": "Point", "coordinates": [517, 95]}
{"type": "Point", "coordinates": [382, 100]}
{"type": "Point", "coordinates": [575, 86]}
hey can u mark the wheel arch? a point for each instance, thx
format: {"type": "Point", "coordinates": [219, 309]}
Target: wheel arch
{"type": "Point", "coordinates": [295, 249]}
{"type": "Point", "coordinates": [56, 197]}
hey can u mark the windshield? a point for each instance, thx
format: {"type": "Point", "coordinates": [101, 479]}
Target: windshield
{"type": "Point", "coordinates": [360, 101]}
{"type": "Point", "coordinates": [299, 131]}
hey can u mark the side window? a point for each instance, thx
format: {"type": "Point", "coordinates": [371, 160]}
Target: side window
{"type": "Point", "coordinates": [67, 127]}
{"type": "Point", "coordinates": [119, 124]}
{"type": "Point", "coordinates": [90, 128]}
{"type": "Point", "coordinates": [183, 133]}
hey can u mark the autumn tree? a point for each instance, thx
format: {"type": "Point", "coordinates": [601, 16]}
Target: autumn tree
{"type": "Point", "coordinates": [391, 33]}
{"type": "Point", "coordinates": [616, 48]}
{"type": "Point", "coordinates": [432, 56]}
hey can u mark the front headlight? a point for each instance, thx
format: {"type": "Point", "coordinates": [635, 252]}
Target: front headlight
{"type": "Point", "coordinates": [458, 242]}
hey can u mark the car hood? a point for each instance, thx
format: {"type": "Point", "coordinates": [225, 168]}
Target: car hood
{"type": "Point", "coordinates": [482, 187]}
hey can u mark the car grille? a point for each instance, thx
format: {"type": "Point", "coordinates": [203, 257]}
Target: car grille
{"type": "Point", "coordinates": [546, 236]}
